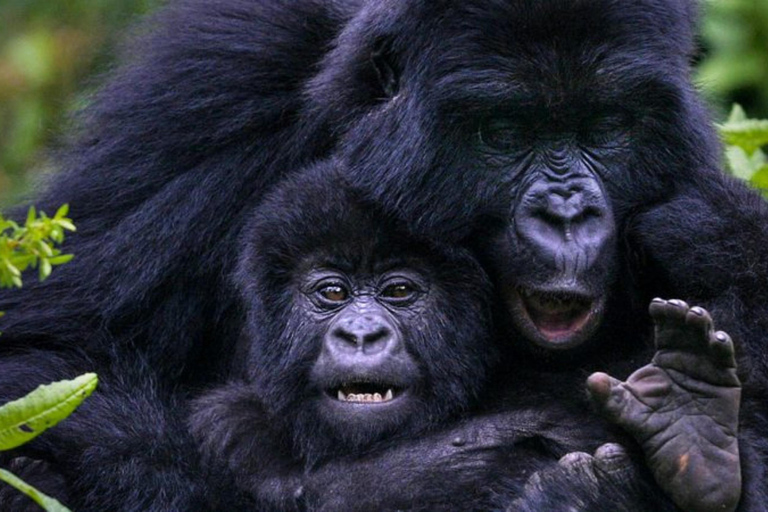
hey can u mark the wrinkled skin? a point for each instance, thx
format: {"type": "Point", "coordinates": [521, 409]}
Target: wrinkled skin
{"type": "Point", "coordinates": [683, 408]}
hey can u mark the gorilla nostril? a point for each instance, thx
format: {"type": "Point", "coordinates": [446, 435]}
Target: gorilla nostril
{"type": "Point", "coordinates": [376, 341]}
{"type": "Point", "coordinates": [346, 336]}
{"type": "Point", "coordinates": [362, 336]}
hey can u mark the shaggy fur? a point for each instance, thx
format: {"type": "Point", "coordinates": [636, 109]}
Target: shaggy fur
{"type": "Point", "coordinates": [219, 101]}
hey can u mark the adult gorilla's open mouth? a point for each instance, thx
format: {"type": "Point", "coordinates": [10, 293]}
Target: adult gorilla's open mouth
{"type": "Point", "coordinates": [556, 319]}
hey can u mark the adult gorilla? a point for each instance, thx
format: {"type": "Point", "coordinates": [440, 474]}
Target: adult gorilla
{"type": "Point", "coordinates": [434, 106]}
{"type": "Point", "coordinates": [575, 130]}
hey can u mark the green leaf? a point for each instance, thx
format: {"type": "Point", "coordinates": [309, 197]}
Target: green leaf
{"type": "Point", "coordinates": [31, 215]}
{"type": "Point", "coordinates": [48, 503]}
{"type": "Point", "coordinates": [748, 134]}
{"type": "Point", "coordinates": [62, 211]}
{"type": "Point", "coordinates": [737, 114]}
{"type": "Point", "coordinates": [24, 419]}
{"type": "Point", "coordinates": [61, 259]}
{"type": "Point", "coordinates": [759, 179]}
{"type": "Point", "coordinates": [45, 268]}
{"type": "Point", "coordinates": [739, 162]}
{"type": "Point", "coordinates": [66, 224]}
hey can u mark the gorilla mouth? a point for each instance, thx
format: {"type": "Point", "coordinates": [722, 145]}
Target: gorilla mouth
{"type": "Point", "coordinates": [561, 319]}
{"type": "Point", "coordinates": [365, 392]}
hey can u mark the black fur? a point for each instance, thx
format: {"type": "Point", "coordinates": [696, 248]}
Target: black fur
{"type": "Point", "coordinates": [221, 100]}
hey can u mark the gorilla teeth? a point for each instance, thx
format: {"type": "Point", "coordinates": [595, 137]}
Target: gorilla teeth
{"type": "Point", "coordinates": [364, 397]}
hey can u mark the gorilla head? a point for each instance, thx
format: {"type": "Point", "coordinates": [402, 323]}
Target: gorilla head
{"type": "Point", "coordinates": [355, 332]}
{"type": "Point", "coordinates": [558, 118]}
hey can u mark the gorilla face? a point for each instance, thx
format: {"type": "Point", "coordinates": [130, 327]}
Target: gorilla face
{"type": "Point", "coordinates": [556, 262]}
{"type": "Point", "coordinates": [560, 119]}
{"type": "Point", "coordinates": [356, 331]}
{"type": "Point", "coordinates": [364, 378]}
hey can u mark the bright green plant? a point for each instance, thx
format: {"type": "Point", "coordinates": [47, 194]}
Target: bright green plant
{"type": "Point", "coordinates": [31, 246]}
{"type": "Point", "coordinates": [24, 419]}
{"type": "Point", "coordinates": [745, 141]}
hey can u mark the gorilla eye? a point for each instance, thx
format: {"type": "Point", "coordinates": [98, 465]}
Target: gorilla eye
{"type": "Point", "coordinates": [333, 293]}
{"type": "Point", "coordinates": [400, 291]}
{"type": "Point", "coordinates": [499, 134]}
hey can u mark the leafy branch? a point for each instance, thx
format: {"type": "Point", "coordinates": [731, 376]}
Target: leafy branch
{"type": "Point", "coordinates": [32, 245]}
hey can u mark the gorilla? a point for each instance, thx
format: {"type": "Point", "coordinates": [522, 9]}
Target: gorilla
{"type": "Point", "coordinates": [356, 336]}
{"type": "Point", "coordinates": [351, 347]}
{"type": "Point", "coordinates": [541, 135]}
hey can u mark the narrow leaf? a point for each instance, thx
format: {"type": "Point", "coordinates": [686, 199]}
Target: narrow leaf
{"type": "Point", "coordinates": [61, 259]}
{"type": "Point", "coordinates": [48, 503]}
{"type": "Point", "coordinates": [26, 418]}
{"type": "Point", "coordinates": [31, 215]}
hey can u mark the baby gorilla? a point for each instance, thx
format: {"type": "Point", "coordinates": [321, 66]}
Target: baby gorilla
{"type": "Point", "coordinates": [357, 337]}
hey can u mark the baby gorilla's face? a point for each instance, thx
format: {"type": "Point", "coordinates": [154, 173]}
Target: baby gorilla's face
{"type": "Point", "coordinates": [364, 341]}
{"type": "Point", "coordinates": [365, 375]}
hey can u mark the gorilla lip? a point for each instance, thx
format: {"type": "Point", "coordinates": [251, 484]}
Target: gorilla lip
{"type": "Point", "coordinates": [562, 318]}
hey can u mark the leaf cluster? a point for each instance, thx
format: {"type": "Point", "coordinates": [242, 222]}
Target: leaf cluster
{"type": "Point", "coordinates": [745, 141]}
{"type": "Point", "coordinates": [32, 245]}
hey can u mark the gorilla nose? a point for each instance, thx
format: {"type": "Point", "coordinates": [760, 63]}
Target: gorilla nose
{"type": "Point", "coordinates": [565, 208]}
{"type": "Point", "coordinates": [367, 334]}
{"type": "Point", "coordinates": [552, 216]}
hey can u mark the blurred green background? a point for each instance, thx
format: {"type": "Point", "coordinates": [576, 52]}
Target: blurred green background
{"type": "Point", "coordinates": [52, 51]}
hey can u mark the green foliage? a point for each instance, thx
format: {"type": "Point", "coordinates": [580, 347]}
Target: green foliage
{"type": "Point", "coordinates": [23, 247]}
{"type": "Point", "coordinates": [26, 418]}
{"type": "Point", "coordinates": [745, 139]}
{"type": "Point", "coordinates": [32, 245]}
{"type": "Point", "coordinates": [735, 67]}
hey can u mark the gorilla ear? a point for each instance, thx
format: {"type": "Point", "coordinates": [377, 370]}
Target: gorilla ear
{"type": "Point", "coordinates": [386, 72]}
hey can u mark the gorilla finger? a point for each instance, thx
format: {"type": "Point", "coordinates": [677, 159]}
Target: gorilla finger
{"type": "Point", "coordinates": [612, 458]}
{"type": "Point", "coordinates": [699, 320]}
{"type": "Point", "coordinates": [722, 348]}
{"type": "Point", "coordinates": [607, 392]}
{"type": "Point", "coordinates": [662, 311]}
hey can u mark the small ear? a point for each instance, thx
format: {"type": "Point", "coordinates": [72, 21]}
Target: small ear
{"type": "Point", "coordinates": [386, 72]}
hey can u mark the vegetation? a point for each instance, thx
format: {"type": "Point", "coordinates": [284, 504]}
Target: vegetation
{"type": "Point", "coordinates": [744, 153]}
{"type": "Point", "coordinates": [22, 247]}
{"type": "Point", "coordinates": [49, 54]}
{"type": "Point", "coordinates": [26, 418]}
{"type": "Point", "coordinates": [32, 245]}
{"type": "Point", "coordinates": [735, 50]}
